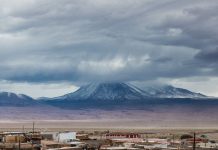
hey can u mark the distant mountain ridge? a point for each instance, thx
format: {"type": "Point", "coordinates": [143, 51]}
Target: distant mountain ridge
{"type": "Point", "coordinates": [12, 99]}
{"type": "Point", "coordinates": [123, 91]}
{"type": "Point", "coordinates": [105, 91]}
{"type": "Point", "coordinates": [111, 101]}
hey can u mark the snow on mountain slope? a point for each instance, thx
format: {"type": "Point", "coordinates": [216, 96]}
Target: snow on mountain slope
{"type": "Point", "coordinates": [123, 91]}
{"type": "Point", "coordinates": [106, 91]}
{"type": "Point", "coordinates": [168, 91]}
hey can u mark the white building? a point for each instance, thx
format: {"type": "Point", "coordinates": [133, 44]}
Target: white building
{"type": "Point", "coordinates": [65, 137]}
{"type": "Point", "coordinates": [208, 145]}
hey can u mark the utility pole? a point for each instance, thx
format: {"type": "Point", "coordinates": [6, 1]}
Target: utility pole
{"type": "Point", "coordinates": [146, 137]}
{"type": "Point", "coordinates": [19, 141]}
{"type": "Point", "coordinates": [173, 140]}
{"type": "Point", "coordinates": [33, 126]}
{"type": "Point", "coordinates": [194, 144]}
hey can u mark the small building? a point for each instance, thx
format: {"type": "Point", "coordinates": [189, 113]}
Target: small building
{"type": "Point", "coordinates": [207, 145]}
{"type": "Point", "coordinates": [65, 137]}
{"type": "Point", "coordinates": [48, 136]}
{"type": "Point", "coordinates": [121, 135]}
{"type": "Point", "coordinates": [15, 139]}
{"type": "Point", "coordinates": [82, 136]}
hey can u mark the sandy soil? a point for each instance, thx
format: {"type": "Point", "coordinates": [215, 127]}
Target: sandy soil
{"type": "Point", "coordinates": [107, 124]}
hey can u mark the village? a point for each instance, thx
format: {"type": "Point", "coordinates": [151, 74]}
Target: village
{"type": "Point", "coordinates": [39, 139]}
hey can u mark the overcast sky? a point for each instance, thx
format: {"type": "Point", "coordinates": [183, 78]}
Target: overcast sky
{"type": "Point", "coordinates": [51, 47]}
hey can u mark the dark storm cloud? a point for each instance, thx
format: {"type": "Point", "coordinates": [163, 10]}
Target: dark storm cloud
{"type": "Point", "coordinates": [89, 40]}
{"type": "Point", "coordinates": [210, 56]}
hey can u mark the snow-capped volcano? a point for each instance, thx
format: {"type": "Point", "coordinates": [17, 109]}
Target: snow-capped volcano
{"type": "Point", "coordinates": [123, 91]}
{"type": "Point", "coordinates": [168, 91]}
{"type": "Point", "coordinates": [106, 91]}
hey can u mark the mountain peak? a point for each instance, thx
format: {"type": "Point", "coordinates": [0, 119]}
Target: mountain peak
{"type": "Point", "coordinates": [126, 91]}
{"type": "Point", "coordinates": [106, 91]}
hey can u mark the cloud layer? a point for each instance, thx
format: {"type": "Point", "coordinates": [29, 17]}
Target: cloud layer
{"type": "Point", "coordinates": [91, 40]}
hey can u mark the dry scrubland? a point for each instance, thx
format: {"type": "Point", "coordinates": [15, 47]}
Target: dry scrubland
{"type": "Point", "coordinates": [105, 125]}
{"type": "Point", "coordinates": [113, 125]}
